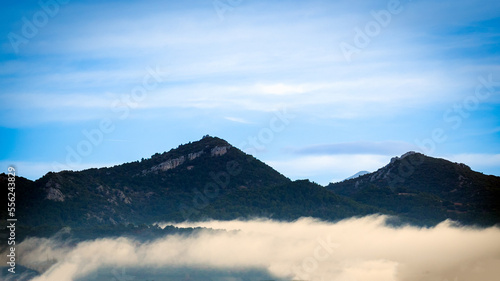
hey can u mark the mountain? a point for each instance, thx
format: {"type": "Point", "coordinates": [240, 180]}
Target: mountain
{"type": "Point", "coordinates": [211, 179]}
{"type": "Point", "coordinates": [358, 174]}
{"type": "Point", "coordinates": [152, 189]}
{"type": "Point", "coordinates": [208, 178]}
{"type": "Point", "coordinates": [427, 190]}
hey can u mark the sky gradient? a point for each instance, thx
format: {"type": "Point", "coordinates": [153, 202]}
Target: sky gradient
{"type": "Point", "coordinates": [316, 89]}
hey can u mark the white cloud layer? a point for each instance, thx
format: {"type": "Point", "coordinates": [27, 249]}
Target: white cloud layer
{"type": "Point", "coordinates": [307, 249]}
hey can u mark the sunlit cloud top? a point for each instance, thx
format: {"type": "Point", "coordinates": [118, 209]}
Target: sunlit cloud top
{"type": "Point", "coordinates": [307, 249]}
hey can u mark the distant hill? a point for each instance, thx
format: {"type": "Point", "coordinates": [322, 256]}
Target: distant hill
{"type": "Point", "coordinates": [428, 190]}
{"type": "Point", "coordinates": [358, 174]}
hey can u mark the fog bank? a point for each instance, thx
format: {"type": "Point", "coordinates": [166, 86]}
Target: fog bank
{"type": "Point", "coordinates": [307, 249]}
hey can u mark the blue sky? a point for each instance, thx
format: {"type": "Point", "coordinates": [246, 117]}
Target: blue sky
{"type": "Point", "coordinates": [316, 89]}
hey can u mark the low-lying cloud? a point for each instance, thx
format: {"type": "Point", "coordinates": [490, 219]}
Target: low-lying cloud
{"type": "Point", "coordinates": [308, 249]}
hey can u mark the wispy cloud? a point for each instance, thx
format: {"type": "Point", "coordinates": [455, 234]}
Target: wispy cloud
{"type": "Point", "coordinates": [388, 148]}
{"type": "Point", "coordinates": [328, 168]}
{"type": "Point", "coordinates": [281, 89]}
{"type": "Point", "coordinates": [477, 161]}
{"type": "Point", "coordinates": [238, 120]}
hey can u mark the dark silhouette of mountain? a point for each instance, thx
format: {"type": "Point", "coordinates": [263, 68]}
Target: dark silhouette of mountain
{"type": "Point", "coordinates": [427, 190]}
{"type": "Point", "coordinates": [288, 201]}
{"type": "Point", "coordinates": [210, 178]}
{"type": "Point", "coordinates": [165, 186]}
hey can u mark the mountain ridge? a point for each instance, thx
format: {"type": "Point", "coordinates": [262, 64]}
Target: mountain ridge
{"type": "Point", "coordinates": [211, 179]}
{"type": "Point", "coordinates": [450, 190]}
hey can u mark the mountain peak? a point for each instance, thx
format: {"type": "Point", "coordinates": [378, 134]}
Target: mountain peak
{"type": "Point", "coordinates": [414, 181]}
{"type": "Point", "coordinates": [205, 142]}
{"type": "Point", "coordinates": [358, 174]}
{"type": "Point", "coordinates": [407, 154]}
{"type": "Point", "coordinates": [174, 185]}
{"type": "Point", "coordinates": [186, 153]}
